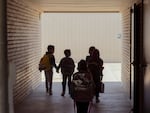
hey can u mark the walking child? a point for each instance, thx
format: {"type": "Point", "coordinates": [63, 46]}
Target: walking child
{"type": "Point", "coordinates": [82, 88]}
{"type": "Point", "coordinates": [47, 63]}
{"type": "Point", "coordinates": [67, 68]}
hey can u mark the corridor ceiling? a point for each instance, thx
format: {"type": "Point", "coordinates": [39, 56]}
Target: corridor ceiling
{"type": "Point", "coordinates": [78, 5]}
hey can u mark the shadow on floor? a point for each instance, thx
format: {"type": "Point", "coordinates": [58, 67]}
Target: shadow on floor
{"type": "Point", "coordinates": [113, 100]}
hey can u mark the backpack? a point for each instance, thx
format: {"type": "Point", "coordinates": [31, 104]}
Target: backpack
{"type": "Point", "coordinates": [82, 88]}
{"type": "Point", "coordinates": [67, 66]}
{"type": "Point", "coordinates": [45, 63]}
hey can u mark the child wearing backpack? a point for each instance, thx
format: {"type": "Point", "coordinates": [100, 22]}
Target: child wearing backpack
{"type": "Point", "coordinates": [67, 68]}
{"type": "Point", "coordinates": [47, 63]}
{"type": "Point", "coordinates": [82, 87]}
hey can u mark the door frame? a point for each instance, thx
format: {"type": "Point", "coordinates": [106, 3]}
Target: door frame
{"type": "Point", "coordinates": [4, 104]}
{"type": "Point", "coordinates": [138, 59]}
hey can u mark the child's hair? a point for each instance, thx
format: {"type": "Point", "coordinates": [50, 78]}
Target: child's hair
{"type": "Point", "coordinates": [96, 53]}
{"type": "Point", "coordinates": [91, 49]}
{"type": "Point", "coordinates": [82, 65]}
{"type": "Point", "coordinates": [50, 48]}
{"type": "Point", "coordinates": [67, 52]}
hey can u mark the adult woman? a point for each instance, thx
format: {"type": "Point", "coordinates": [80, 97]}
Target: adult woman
{"type": "Point", "coordinates": [95, 66]}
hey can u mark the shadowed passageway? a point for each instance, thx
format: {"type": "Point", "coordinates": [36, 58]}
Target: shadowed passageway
{"type": "Point", "coordinates": [114, 100]}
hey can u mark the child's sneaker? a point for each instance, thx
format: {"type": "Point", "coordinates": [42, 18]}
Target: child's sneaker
{"type": "Point", "coordinates": [97, 100]}
{"type": "Point", "coordinates": [62, 94]}
{"type": "Point", "coordinates": [50, 92]}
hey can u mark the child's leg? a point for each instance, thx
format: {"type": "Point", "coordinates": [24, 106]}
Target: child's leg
{"type": "Point", "coordinates": [69, 83]}
{"type": "Point", "coordinates": [64, 84]}
{"type": "Point", "coordinates": [46, 80]}
{"type": "Point", "coordinates": [97, 91]}
{"type": "Point", "coordinates": [50, 82]}
{"type": "Point", "coordinates": [82, 107]}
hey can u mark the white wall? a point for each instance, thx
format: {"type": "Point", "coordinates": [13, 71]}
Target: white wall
{"type": "Point", "coordinates": [78, 31]}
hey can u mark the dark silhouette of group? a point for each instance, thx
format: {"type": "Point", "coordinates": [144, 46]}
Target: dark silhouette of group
{"type": "Point", "coordinates": [95, 65]}
{"type": "Point", "coordinates": [82, 85]}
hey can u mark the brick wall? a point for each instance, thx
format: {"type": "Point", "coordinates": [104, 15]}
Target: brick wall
{"type": "Point", "coordinates": [126, 45]}
{"type": "Point", "coordinates": [24, 46]}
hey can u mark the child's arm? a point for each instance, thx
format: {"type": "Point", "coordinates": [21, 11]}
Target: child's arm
{"type": "Point", "coordinates": [53, 62]}
{"type": "Point", "coordinates": [59, 66]}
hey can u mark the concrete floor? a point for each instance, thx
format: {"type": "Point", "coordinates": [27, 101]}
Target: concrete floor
{"type": "Point", "coordinates": [114, 100]}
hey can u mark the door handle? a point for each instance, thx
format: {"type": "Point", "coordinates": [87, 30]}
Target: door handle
{"type": "Point", "coordinates": [133, 63]}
